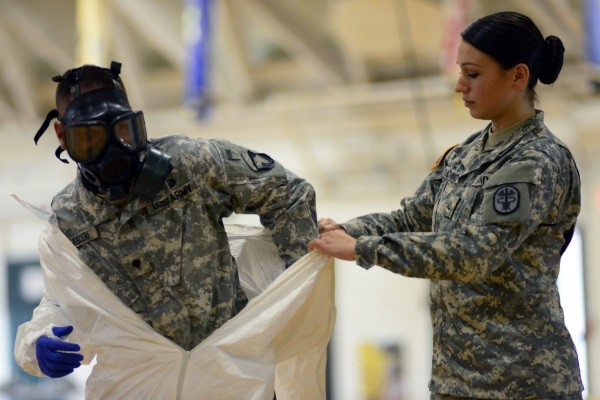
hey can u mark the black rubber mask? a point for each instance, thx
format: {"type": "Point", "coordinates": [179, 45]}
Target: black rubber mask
{"type": "Point", "coordinates": [109, 143]}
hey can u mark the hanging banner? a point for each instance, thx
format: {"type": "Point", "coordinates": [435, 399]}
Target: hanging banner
{"type": "Point", "coordinates": [197, 37]}
{"type": "Point", "coordinates": [591, 14]}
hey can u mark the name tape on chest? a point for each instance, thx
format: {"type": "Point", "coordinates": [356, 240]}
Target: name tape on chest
{"type": "Point", "coordinates": [84, 237]}
{"type": "Point", "coordinates": [176, 194]}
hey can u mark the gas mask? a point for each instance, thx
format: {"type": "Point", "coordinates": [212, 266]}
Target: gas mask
{"type": "Point", "coordinates": [108, 142]}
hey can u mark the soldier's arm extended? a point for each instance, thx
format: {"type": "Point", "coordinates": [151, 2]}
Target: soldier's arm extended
{"type": "Point", "coordinates": [257, 184]}
{"type": "Point", "coordinates": [481, 243]}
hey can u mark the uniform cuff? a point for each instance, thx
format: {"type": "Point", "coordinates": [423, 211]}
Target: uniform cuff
{"type": "Point", "coordinates": [355, 233]}
{"type": "Point", "coordinates": [366, 251]}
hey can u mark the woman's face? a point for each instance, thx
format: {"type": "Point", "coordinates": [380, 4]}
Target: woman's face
{"type": "Point", "coordinates": [488, 91]}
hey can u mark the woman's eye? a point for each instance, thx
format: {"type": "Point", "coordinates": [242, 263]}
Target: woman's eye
{"type": "Point", "coordinates": [473, 75]}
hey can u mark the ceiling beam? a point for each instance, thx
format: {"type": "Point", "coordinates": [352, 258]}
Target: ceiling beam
{"type": "Point", "coordinates": [24, 22]}
{"type": "Point", "coordinates": [127, 53]}
{"type": "Point", "coordinates": [232, 70]}
{"type": "Point", "coordinates": [154, 21]}
{"type": "Point", "coordinates": [6, 112]}
{"type": "Point", "coordinates": [16, 78]}
{"type": "Point", "coordinates": [563, 17]}
{"type": "Point", "coordinates": [286, 29]}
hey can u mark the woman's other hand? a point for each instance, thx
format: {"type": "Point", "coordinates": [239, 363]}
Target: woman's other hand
{"type": "Point", "coordinates": [334, 242]}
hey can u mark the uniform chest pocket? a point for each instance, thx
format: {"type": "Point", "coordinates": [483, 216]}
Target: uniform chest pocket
{"type": "Point", "coordinates": [448, 205]}
{"type": "Point", "coordinates": [158, 237]}
{"type": "Point", "coordinates": [506, 194]}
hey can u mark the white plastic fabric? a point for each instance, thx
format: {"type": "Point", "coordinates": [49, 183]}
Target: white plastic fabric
{"type": "Point", "coordinates": [256, 254]}
{"type": "Point", "coordinates": [278, 341]}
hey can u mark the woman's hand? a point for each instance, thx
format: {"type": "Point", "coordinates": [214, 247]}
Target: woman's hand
{"type": "Point", "coordinates": [334, 243]}
{"type": "Point", "coordinates": [327, 224]}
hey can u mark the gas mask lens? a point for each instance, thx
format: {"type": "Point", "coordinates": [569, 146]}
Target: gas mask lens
{"type": "Point", "coordinates": [130, 131]}
{"type": "Point", "coordinates": [87, 140]}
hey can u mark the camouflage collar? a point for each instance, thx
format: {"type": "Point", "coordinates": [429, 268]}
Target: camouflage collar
{"type": "Point", "coordinates": [471, 156]}
{"type": "Point", "coordinates": [95, 207]}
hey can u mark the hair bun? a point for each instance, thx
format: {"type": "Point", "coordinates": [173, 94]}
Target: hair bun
{"type": "Point", "coordinates": [552, 60]}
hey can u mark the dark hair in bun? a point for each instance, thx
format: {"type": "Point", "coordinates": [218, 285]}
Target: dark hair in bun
{"type": "Point", "coordinates": [552, 61]}
{"type": "Point", "coordinates": [512, 38]}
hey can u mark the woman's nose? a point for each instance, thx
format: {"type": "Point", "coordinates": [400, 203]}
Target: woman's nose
{"type": "Point", "coordinates": [461, 85]}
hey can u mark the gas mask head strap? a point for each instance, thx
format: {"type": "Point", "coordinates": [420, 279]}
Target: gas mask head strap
{"type": "Point", "coordinates": [72, 78]}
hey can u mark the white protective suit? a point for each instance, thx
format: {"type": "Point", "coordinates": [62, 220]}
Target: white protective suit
{"type": "Point", "coordinates": [279, 340]}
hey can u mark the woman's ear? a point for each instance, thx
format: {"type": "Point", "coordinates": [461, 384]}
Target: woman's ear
{"type": "Point", "coordinates": [521, 76]}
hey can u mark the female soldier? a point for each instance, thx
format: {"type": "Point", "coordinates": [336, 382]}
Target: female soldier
{"type": "Point", "coordinates": [488, 226]}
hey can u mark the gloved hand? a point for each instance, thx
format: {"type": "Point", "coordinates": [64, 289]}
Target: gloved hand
{"type": "Point", "coordinates": [55, 357]}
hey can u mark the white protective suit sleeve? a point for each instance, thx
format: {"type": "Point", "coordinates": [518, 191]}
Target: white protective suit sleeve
{"type": "Point", "coordinates": [46, 315]}
{"type": "Point", "coordinates": [279, 340]}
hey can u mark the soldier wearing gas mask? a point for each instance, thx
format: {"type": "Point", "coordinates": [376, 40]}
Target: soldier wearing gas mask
{"type": "Point", "coordinates": [147, 217]}
{"type": "Point", "coordinates": [106, 138]}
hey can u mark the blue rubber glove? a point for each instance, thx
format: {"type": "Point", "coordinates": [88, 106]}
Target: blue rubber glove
{"type": "Point", "coordinates": [55, 357]}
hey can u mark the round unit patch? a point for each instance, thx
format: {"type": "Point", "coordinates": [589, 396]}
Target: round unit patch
{"type": "Point", "coordinates": [506, 199]}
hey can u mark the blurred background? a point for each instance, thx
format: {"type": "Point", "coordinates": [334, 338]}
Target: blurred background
{"type": "Point", "coordinates": [354, 95]}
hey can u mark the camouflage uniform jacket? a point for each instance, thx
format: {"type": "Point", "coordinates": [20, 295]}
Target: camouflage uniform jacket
{"type": "Point", "coordinates": [169, 259]}
{"type": "Point", "coordinates": [488, 228]}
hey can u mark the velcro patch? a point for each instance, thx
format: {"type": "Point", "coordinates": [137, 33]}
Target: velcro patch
{"type": "Point", "coordinates": [507, 202]}
{"type": "Point", "coordinates": [506, 199]}
{"type": "Point", "coordinates": [259, 161]}
{"type": "Point", "coordinates": [232, 155]}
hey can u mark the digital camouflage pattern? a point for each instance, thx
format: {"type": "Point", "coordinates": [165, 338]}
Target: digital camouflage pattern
{"type": "Point", "coordinates": [435, 396]}
{"type": "Point", "coordinates": [487, 229]}
{"type": "Point", "coordinates": [169, 259]}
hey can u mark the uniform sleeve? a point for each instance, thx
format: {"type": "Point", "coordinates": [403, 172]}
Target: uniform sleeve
{"type": "Point", "coordinates": [525, 195]}
{"type": "Point", "coordinates": [414, 215]}
{"type": "Point", "coordinates": [257, 184]}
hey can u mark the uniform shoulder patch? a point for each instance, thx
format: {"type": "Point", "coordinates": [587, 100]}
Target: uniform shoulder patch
{"type": "Point", "coordinates": [506, 199]}
{"type": "Point", "coordinates": [440, 159]}
{"type": "Point", "coordinates": [259, 161]}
